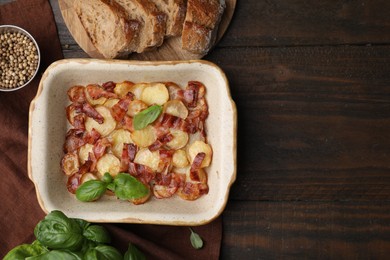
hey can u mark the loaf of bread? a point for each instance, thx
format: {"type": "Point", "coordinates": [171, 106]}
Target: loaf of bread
{"type": "Point", "coordinates": [108, 26]}
{"type": "Point", "coordinates": [176, 12]}
{"type": "Point", "coordinates": [120, 27]}
{"type": "Point", "coordinates": [201, 25]}
{"type": "Point", "coordinates": [153, 23]}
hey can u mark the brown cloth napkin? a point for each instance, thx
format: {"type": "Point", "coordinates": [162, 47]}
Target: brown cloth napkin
{"type": "Point", "coordinates": [19, 208]}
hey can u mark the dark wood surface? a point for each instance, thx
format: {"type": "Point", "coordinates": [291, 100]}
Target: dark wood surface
{"type": "Point", "coordinates": [311, 81]}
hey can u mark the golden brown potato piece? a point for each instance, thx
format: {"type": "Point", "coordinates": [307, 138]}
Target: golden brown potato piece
{"type": "Point", "coordinates": [108, 163]}
{"type": "Point", "coordinates": [144, 137]}
{"type": "Point", "coordinates": [122, 88]}
{"type": "Point", "coordinates": [106, 127]}
{"type": "Point", "coordinates": [200, 147]}
{"type": "Point", "coordinates": [70, 163]}
{"type": "Point", "coordinates": [156, 93]}
{"type": "Point", "coordinates": [118, 138]}
{"type": "Point", "coordinates": [135, 107]}
{"type": "Point", "coordinates": [176, 108]}
{"type": "Point", "coordinates": [148, 158]}
{"type": "Point", "coordinates": [179, 159]}
{"type": "Point", "coordinates": [180, 139]}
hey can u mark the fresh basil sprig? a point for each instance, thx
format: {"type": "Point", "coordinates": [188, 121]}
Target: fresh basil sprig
{"type": "Point", "coordinates": [60, 237]}
{"type": "Point", "coordinates": [146, 117]}
{"type": "Point", "coordinates": [128, 187]}
{"type": "Point", "coordinates": [196, 240]}
{"type": "Point", "coordinates": [91, 190]}
{"type": "Point", "coordinates": [124, 186]}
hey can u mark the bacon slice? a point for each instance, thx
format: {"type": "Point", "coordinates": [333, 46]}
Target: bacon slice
{"type": "Point", "coordinates": [160, 142]}
{"type": "Point", "coordinates": [96, 92]}
{"type": "Point", "coordinates": [128, 154]}
{"type": "Point", "coordinates": [73, 140]}
{"type": "Point", "coordinates": [194, 175]}
{"type": "Point", "coordinates": [119, 109]}
{"type": "Point", "coordinates": [76, 94]}
{"type": "Point", "coordinates": [91, 112]}
{"type": "Point", "coordinates": [127, 123]}
{"type": "Point", "coordinates": [109, 86]}
{"type": "Point", "coordinates": [100, 147]}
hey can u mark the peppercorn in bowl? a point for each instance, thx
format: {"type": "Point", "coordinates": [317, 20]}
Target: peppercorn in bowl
{"type": "Point", "coordinates": [133, 132]}
{"type": "Point", "coordinates": [19, 58]}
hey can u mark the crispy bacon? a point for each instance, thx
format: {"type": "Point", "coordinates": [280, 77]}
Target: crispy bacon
{"type": "Point", "coordinates": [128, 155]}
{"type": "Point", "coordinates": [175, 92]}
{"type": "Point", "coordinates": [73, 182]}
{"type": "Point", "coordinates": [160, 142]}
{"type": "Point", "coordinates": [119, 109]}
{"type": "Point", "coordinates": [79, 122]}
{"type": "Point", "coordinates": [141, 172]}
{"type": "Point", "coordinates": [109, 86]}
{"type": "Point", "coordinates": [73, 140]}
{"type": "Point", "coordinates": [91, 112]}
{"type": "Point", "coordinates": [92, 136]}
{"type": "Point", "coordinates": [127, 123]}
{"type": "Point", "coordinates": [100, 147]}
{"type": "Point", "coordinates": [76, 94]}
{"type": "Point", "coordinates": [96, 92]}
{"type": "Point", "coordinates": [195, 166]}
{"type": "Point", "coordinates": [190, 191]}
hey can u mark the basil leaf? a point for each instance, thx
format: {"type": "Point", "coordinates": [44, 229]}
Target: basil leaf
{"type": "Point", "coordinates": [133, 253]}
{"type": "Point", "coordinates": [91, 190]}
{"type": "Point", "coordinates": [23, 251]}
{"type": "Point", "coordinates": [146, 117]}
{"type": "Point", "coordinates": [82, 223]}
{"type": "Point", "coordinates": [57, 255]}
{"type": "Point", "coordinates": [57, 231]}
{"type": "Point", "coordinates": [129, 188]}
{"type": "Point", "coordinates": [107, 178]}
{"type": "Point", "coordinates": [196, 240]}
{"type": "Point", "coordinates": [97, 234]}
{"type": "Point", "coordinates": [103, 252]}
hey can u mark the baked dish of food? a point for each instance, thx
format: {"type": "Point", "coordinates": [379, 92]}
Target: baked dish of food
{"type": "Point", "coordinates": [137, 140]}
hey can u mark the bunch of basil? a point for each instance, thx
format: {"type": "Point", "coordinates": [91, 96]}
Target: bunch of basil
{"type": "Point", "coordinates": [60, 237]}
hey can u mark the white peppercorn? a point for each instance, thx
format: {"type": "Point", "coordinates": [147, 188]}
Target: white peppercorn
{"type": "Point", "coordinates": [18, 59]}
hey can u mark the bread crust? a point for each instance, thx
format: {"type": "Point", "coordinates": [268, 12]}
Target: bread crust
{"type": "Point", "coordinates": [201, 25]}
{"type": "Point", "coordinates": [176, 12]}
{"type": "Point", "coordinates": [152, 23]}
{"type": "Point", "coordinates": [111, 37]}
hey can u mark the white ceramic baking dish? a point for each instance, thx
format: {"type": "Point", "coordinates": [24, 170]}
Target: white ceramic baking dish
{"type": "Point", "coordinates": [48, 126]}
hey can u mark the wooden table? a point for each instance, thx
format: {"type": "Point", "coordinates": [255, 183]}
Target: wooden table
{"type": "Point", "coordinates": [311, 80]}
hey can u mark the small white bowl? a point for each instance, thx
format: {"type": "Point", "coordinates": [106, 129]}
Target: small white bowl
{"type": "Point", "coordinates": [48, 126]}
{"type": "Point", "coordinates": [13, 28]}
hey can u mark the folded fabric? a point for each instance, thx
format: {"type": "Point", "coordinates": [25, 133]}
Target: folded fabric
{"type": "Point", "coordinates": [19, 208]}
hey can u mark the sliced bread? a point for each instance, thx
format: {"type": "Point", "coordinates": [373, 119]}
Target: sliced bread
{"type": "Point", "coordinates": [201, 25]}
{"type": "Point", "coordinates": [108, 26]}
{"type": "Point", "coordinates": [176, 12]}
{"type": "Point", "coordinates": [153, 23]}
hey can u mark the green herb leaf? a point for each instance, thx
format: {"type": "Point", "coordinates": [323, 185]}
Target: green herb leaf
{"type": "Point", "coordinates": [57, 231]}
{"type": "Point", "coordinates": [57, 255]}
{"type": "Point", "coordinates": [133, 253]}
{"type": "Point", "coordinates": [146, 117]}
{"type": "Point", "coordinates": [23, 251]}
{"type": "Point", "coordinates": [91, 190]}
{"type": "Point", "coordinates": [97, 234]}
{"type": "Point", "coordinates": [129, 188]}
{"type": "Point", "coordinates": [102, 252]}
{"type": "Point", "coordinates": [107, 178]}
{"type": "Point", "coordinates": [196, 240]}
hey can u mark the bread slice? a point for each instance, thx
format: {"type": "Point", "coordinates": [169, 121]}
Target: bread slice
{"type": "Point", "coordinates": [176, 12]}
{"type": "Point", "coordinates": [153, 23]}
{"type": "Point", "coordinates": [107, 26]}
{"type": "Point", "coordinates": [201, 25]}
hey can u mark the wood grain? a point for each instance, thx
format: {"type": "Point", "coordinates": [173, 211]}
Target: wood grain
{"type": "Point", "coordinates": [313, 122]}
{"type": "Point", "coordinates": [311, 83]}
{"type": "Point", "coordinates": [306, 230]}
{"type": "Point", "coordinates": [170, 50]}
